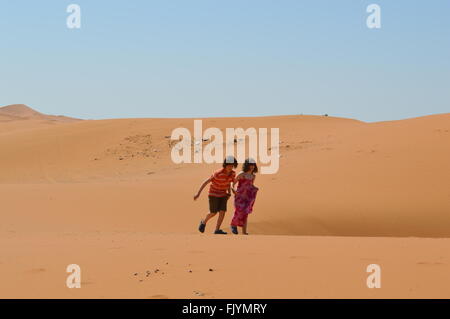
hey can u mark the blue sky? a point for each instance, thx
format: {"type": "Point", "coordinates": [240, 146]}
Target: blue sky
{"type": "Point", "coordinates": [199, 58]}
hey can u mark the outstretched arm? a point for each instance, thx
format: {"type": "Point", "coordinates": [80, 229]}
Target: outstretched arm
{"type": "Point", "coordinates": [201, 188]}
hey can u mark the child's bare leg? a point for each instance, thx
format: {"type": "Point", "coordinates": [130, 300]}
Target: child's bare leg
{"type": "Point", "coordinates": [208, 217]}
{"type": "Point", "coordinates": [244, 229]}
{"type": "Point", "coordinates": [220, 219]}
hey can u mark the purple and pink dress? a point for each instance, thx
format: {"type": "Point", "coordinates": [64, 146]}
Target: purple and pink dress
{"type": "Point", "coordinates": [243, 201]}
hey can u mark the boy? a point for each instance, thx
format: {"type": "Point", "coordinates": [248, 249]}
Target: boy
{"type": "Point", "coordinates": [219, 192]}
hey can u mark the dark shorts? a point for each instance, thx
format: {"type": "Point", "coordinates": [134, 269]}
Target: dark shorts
{"type": "Point", "coordinates": [217, 204]}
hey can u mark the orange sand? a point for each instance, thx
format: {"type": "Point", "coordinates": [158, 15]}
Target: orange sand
{"type": "Point", "coordinates": [105, 195]}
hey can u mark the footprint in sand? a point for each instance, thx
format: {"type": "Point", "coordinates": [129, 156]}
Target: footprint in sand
{"type": "Point", "coordinates": [199, 293]}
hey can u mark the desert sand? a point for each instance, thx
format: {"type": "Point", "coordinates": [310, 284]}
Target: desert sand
{"type": "Point", "coordinates": [104, 194]}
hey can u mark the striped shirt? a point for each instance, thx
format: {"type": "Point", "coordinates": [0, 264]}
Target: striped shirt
{"type": "Point", "coordinates": [220, 183]}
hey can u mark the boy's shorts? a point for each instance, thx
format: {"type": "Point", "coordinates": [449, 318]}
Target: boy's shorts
{"type": "Point", "coordinates": [217, 204]}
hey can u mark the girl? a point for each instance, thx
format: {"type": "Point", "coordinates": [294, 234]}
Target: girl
{"type": "Point", "coordinates": [245, 195]}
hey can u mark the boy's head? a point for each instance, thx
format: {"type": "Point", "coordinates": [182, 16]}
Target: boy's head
{"type": "Point", "coordinates": [229, 163]}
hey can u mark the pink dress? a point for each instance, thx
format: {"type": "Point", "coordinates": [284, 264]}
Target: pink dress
{"type": "Point", "coordinates": [243, 201]}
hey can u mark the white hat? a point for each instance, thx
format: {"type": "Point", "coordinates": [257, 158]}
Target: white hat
{"type": "Point", "coordinates": [230, 159]}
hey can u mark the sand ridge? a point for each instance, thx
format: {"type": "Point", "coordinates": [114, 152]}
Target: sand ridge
{"type": "Point", "coordinates": [104, 188]}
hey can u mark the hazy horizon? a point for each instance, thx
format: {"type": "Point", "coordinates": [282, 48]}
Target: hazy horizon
{"type": "Point", "coordinates": [210, 117]}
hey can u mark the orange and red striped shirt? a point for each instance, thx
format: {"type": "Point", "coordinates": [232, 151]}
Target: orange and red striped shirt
{"type": "Point", "coordinates": [220, 183]}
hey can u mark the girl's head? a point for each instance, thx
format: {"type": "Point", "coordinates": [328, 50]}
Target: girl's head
{"type": "Point", "coordinates": [229, 163]}
{"type": "Point", "coordinates": [250, 166]}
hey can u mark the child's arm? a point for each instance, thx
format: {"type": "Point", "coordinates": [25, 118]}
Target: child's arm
{"type": "Point", "coordinates": [235, 181]}
{"type": "Point", "coordinates": [201, 188]}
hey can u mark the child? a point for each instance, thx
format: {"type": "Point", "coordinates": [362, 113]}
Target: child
{"type": "Point", "coordinates": [219, 192]}
{"type": "Point", "coordinates": [245, 196]}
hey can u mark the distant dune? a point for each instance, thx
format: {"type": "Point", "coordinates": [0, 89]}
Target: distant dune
{"type": "Point", "coordinates": [19, 117]}
{"type": "Point", "coordinates": [337, 177]}
{"type": "Point", "coordinates": [23, 112]}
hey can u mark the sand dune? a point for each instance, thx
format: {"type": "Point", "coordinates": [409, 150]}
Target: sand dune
{"type": "Point", "coordinates": [16, 112]}
{"type": "Point", "coordinates": [110, 186]}
{"type": "Point", "coordinates": [337, 176]}
{"type": "Point", "coordinates": [19, 117]}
